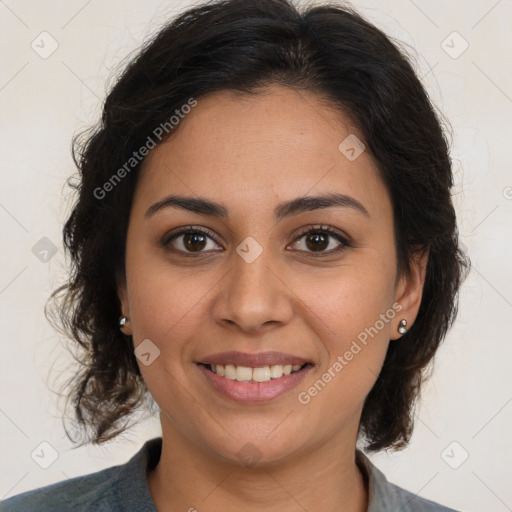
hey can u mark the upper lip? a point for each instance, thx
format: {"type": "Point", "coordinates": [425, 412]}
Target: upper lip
{"type": "Point", "coordinates": [253, 360]}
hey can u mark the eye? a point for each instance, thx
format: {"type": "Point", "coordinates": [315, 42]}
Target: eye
{"type": "Point", "coordinates": [190, 241]}
{"type": "Point", "coordinates": [193, 241]}
{"type": "Point", "coordinates": [318, 239]}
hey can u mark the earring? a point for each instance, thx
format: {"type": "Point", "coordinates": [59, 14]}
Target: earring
{"type": "Point", "coordinates": [402, 327]}
{"type": "Point", "coordinates": [124, 325]}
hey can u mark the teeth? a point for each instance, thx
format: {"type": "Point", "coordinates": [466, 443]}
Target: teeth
{"type": "Point", "coordinates": [260, 374]}
{"type": "Point", "coordinates": [243, 373]}
{"type": "Point", "coordinates": [276, 371]}
{"type": "Point", "coordinates": [229, 371]}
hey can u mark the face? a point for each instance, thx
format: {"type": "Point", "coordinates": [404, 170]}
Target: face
{"type": "Point", "coordinates": [260, 279]}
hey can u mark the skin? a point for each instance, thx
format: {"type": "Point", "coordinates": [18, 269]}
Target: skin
{"type": "Point", "coordinates": [251, 153]}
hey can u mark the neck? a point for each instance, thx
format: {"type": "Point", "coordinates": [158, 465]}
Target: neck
{"type": "Point", "coordinates": [189, 478]}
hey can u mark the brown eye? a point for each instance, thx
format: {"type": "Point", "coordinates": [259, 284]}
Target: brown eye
{"type": "Point", "coordinates": [323, 241]}
{"type": "Point", "coordinates": [190, 241]}
{"type": "Point", "coordinates": [317, 241]}
{"type": "Point", "coordinates": [194, 241]}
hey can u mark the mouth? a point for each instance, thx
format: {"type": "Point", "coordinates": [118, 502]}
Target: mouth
{"type": "Point", "coordinates": [249, 374]}
{"type": "Point", "coordinates": [257, 378]}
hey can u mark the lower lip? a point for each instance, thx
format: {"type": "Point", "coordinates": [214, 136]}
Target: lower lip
{"type": "Point", "coordinates": [254, 392]}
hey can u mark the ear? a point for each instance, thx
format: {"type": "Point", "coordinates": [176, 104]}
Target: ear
{"type": "Point", "coordinates": [123, 300]}
{"type": "Point", "coordinates": [409, 291]}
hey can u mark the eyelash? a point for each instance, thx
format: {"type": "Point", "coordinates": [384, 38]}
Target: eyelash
{"type": "Point", "coordinates": [344, 243]}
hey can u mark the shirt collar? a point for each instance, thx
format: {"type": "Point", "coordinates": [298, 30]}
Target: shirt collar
{"type": "Point", "coordinates": [133, 482]}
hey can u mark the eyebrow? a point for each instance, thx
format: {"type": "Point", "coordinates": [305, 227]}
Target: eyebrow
{"type": "Point", "coordinates": [203, 206]}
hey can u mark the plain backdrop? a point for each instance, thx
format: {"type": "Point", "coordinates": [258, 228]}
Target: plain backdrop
{"type": "Point", "coordinates": [58, 59]}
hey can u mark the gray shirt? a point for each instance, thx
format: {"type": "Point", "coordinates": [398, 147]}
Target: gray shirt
{"type": "Point", "coordinates": [125, 488]}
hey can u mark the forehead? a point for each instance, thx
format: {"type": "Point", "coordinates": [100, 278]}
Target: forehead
{"type": "Point", "coordinates": [249, 150]}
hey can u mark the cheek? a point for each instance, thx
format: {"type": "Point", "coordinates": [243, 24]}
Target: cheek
{"type": "Point", "coordinates": [354, 300]}
{"type": "Point", "coordinates": [165, 302]}
{"type": "Point", "coordinates": [166, 306]}
{"type": "Point", "coordinates": [353, 312]}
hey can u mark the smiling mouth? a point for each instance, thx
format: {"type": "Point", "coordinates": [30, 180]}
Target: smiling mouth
{"type": "Point", "coordinates": [254, 375]}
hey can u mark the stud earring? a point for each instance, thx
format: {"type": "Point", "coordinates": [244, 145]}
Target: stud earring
{"type": "Point", "coordinates": [402, 327]}
{"type": "Point", "coordinates": [124, 325]}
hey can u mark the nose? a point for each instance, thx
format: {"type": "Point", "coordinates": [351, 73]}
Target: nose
{"type": "Point", "coordinates": [254, 295]}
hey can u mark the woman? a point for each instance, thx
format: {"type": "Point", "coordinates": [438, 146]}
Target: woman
{"type": "Point", "coordinates": [264, 242]}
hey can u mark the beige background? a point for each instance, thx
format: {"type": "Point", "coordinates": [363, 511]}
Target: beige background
{"type": "Point", "coordinates": [44, 101]}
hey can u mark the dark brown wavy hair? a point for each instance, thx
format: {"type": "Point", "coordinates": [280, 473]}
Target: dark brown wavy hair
{"type": "Point", "coordinates": [245, 45]}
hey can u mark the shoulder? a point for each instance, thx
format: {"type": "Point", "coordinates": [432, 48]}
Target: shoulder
{"type": "Point", "coordinates": [410, 502]}
{"type": "Point", "coordinates": [80, 493]}
{"type": "Point", "coordinates": [119, 488]}
{"type": "Point", "coordinates": [387, 497]}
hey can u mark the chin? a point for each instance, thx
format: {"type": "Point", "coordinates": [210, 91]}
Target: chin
{"type": "Point", "coordinates": [253, 445]}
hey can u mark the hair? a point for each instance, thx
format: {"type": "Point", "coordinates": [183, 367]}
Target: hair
{"type": "Point", "coordinates": [244, 46]}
